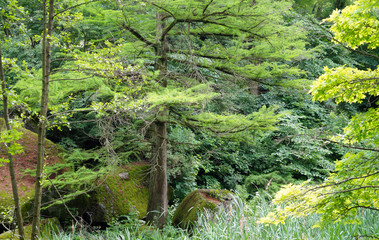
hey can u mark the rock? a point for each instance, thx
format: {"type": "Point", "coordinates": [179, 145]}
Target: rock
{"type": "Point", "coordinates": [199, 201]}
{"type": "Point", "coordinates": [112, 198]}
{"type": "Point", "coordinates": [77, 206]}
{"type": "Point", "coordinates": [124, 175]}
{"type": "Point", "coordinates": [122, 193]}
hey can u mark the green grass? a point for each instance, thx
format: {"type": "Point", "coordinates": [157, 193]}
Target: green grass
{"type": "Point", "coordinates": [239, 223]}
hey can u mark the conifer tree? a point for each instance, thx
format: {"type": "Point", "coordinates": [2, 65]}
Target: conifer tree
{"type": "Point", "coordinates": [188, 43]}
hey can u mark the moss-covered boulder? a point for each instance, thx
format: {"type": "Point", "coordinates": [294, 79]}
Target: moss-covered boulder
{"type": "Point", "coordinates": [199, 201]}
{"type": "Point", "coordinates": [123, 192]}
{"type": "Point", "coordinates": [47, 227]}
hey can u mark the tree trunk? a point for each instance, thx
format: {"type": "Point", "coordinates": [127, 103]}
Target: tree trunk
{"type": "Point", "coordinates": [254, 88]}
{"type": "Point", "coordinates": [46, 58]}
{"type": "Point", "coordinates": [158, 202]}
{"type": "Point", "coordinates": [340, 4]}
{"type": "Point", "coordinates": [19, 219]}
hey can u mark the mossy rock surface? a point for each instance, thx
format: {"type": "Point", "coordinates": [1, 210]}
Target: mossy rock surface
{"type": "Point", "coordinates": [123, 192]}
{"type": "Point", "coordinates": [197, 202]}
{"type": "Point", "coordinates": [47, 226]}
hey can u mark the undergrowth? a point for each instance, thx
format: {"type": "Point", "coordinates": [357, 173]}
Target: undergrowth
{"type": "Point", "coordinates": [239, 223]}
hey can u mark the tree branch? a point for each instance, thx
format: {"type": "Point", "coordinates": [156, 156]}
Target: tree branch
{"type": "Point", "coordinates": [164, 9]}
{"type": "Point", "coordinates": [350, 190]}
{"type": "Point", "coordinates": [71, 79]}
{"type": "Point", "coordinates": [206, 6]}
{"type": "Point", "coordinates": [165, 32]}
{"type": "Point", "coordinates": [348, 146]}
{"type": "Point", "coordinates": [330, 37]}
{"type": "Point", "coordinates": [69, 8]}
{"type": "Point", "coordinates": [139, 36]}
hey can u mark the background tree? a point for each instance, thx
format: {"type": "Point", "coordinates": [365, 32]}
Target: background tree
{"type": "Point", "coordinates": [354, 183]}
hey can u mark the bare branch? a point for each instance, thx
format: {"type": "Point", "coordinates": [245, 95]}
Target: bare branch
{"type": "Point", "coordinates": [330, 37]}
{"type": "Point", "coordinates": [164, 9]}
{"type": "Point", "coordinates": [341, 182]}
{"type": "Point", "coordinates": [70, 79]}
{"type": "Point", "coordinates": [350, 190]}
{"type": "Point", "coordinates": [138, 35]}
{"type": "Point", "coordinates": [348, 146]}
{"type": "Point", "coordinates": [206, 6]}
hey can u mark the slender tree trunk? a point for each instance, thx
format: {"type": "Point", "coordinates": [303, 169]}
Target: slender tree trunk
{"type": "Point", "coordinates": [46, 58]}
{"type": "Point", "coordinates": [158, 202]}
{"type": "Point", "coordinates": [19, 219]}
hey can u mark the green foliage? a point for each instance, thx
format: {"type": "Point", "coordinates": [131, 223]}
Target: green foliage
{"type": "Point", "coordinates": [350, 187]}
{"type": "Point", "coordinates": [9, 138]}
{"type": "Point", "coordinates": [182, 164]}
{"type": "Point", "coordinates": [178, 97]}
{"type": "Point", "coordinates": [238, 126]}
{"type": "Point", "coordinates": [354, 182]}
{"type": "Point", "coordinates": [47, 227]}
{"type": "Point", "coordinates": [62, 86]}
{"type": "Point", "coordinates": [270, 182]}
{"type": "Point", "coordinates": [319, 8]}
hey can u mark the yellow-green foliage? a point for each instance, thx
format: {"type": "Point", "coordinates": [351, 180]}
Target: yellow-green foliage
{"type": "Point", "coordinates": [120, 196]}
{"type": "Point", "coordinates": [357, 24]}
{"type": "Point", "coordinates": [195, 203]}
{"type": "Point", "coordinates": [237, 126]}
{"type": "Point", "coordinates": [61, 86]}
{"type": "Point", "coordinates": [178, 97]}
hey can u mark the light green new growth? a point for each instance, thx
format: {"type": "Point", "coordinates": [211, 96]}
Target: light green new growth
{"type": "Point", "coordinates": [179, 97]}
{"type": "Point", "coordinates": [237, 126]}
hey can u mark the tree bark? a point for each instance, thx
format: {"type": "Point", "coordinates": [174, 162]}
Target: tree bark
{"type": "Point", "coordinates": [158, 202]}
{"type": "Point", "coordinates": [46, 59]}
{"type": "Point", "coordinates": [254, 88]}
{"type": "Point", "coordinates": [340, 4]}
{"type": "Point", "coordinates": [19, 219]}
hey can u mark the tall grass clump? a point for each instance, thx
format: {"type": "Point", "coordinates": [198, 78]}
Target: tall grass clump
{"type": "Point", "coordinates": [241, 223]}
{"type": "Point", "coordinates": [238, 223]}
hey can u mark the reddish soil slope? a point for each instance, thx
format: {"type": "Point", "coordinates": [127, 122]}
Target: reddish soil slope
{"type": "Point", "coordinates": [26, 160]}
